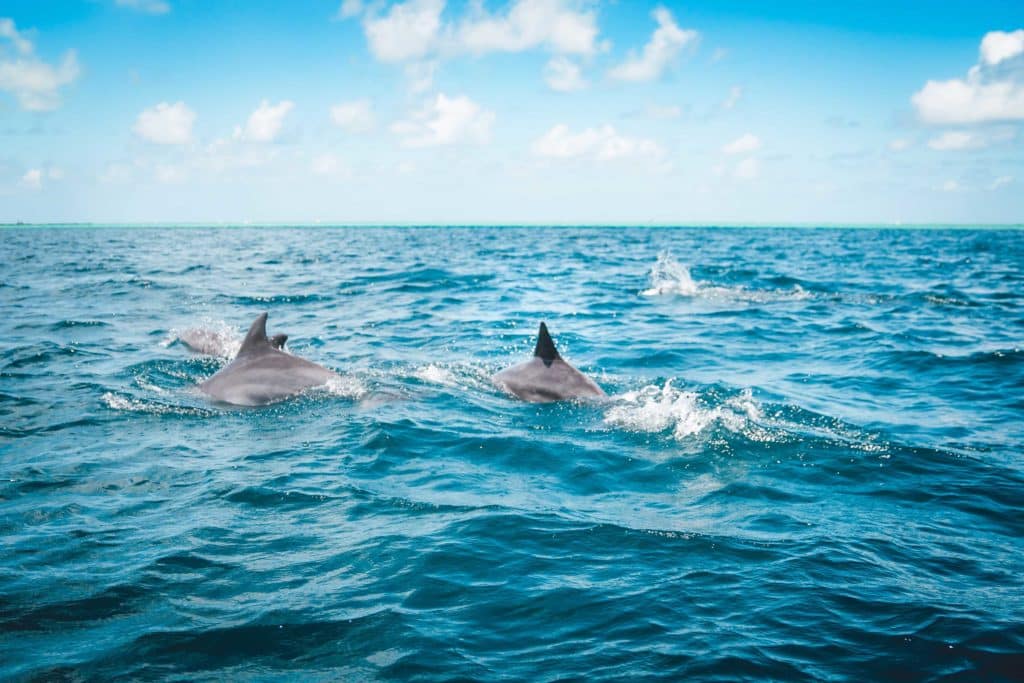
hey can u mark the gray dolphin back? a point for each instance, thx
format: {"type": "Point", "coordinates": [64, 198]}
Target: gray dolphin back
{"type": "Point", "coordinates": [546, 377]}
{"type": "Point", "coordinates": [261, 373]}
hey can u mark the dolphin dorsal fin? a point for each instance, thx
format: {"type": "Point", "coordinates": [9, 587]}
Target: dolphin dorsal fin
{"type": "Point", "coordinates": [545, 349]}
{"type": "Point", "coordinates": [257, 337]}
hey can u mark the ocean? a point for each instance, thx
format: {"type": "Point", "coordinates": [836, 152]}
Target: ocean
{"type": "Point", "coordinates": [809, 466]}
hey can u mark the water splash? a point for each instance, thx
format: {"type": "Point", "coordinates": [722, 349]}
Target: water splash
{"type": "Point", "coordinates": [655, 409]}
{"type": "Point", "coordinates": [435, 374]}
{"type": "Point", "coordinates": [668, 276]}
{"type": "Point", "coordinates": [212, 338]}
{"type": "Point", "coordinates": [346, 386]}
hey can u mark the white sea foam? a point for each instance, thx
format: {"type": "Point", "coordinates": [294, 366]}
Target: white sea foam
{"type": "Point", "coordinates": [134, 405]}
{"type": "Point", "coordinates": [657, 409]}
{"type": "Point", "coordinates": [213, 337]}
{"type": "Point", "coordinates": [669, 277]}
{"type": "Point", "coordinates": [435, 374]}
{"type": "Point", "coordinates": [346, 386]}
{"type": "Point", "coordinates": [464, 375]}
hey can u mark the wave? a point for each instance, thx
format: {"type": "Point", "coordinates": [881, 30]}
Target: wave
{"type": "Point", "coordinates": [655, 409]}
{"type": "Point", "coordinates": [669, 277]}
{"type": "Point", "coordinates": [135, 405]}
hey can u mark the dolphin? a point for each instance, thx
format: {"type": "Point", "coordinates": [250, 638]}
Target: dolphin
{"type": "Point", "coordinates": [218, 343]}
{"type": "Point", "coordinates": [262, 373]}
{"type": "Point", "coordinates": [546, 377]}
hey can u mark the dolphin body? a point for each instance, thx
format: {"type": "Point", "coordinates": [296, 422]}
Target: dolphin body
{"type": "Point", "coordinates": [546, 377]}
{"type": "Point", "coordinates": [217, 343]}
{"type": "Point", "coordinates": [261, 373]}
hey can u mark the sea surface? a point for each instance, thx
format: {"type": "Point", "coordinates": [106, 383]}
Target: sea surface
{"type": "Point", "coordinates": [810, 465]}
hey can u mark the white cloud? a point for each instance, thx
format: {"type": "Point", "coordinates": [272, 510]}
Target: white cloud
{"type": "Point", "coordinates": [951, 186]}
{"type": "Point", "coordinates": [446, 121]}
{"type": "Point", "coordinates": [744, 144]}
{"type": "Point", "coordinates": [265, 123]}
{"type": "Point", "coordinates": [747, 169]}
{"type": "Point", "coordinates": [33, 82]}
{"type": "Point", "coordinates": [553, 24]}
{"type": "Point", "coordinates": [148, 6]}
{"type": "Point", "coordinates": [998, 46]}
{"type": "Point", "coordinates": [414, 29]}
{"type": "Point", "coordinates": [355, 116]}
{"type": "Point", "coordinates": [166, 124]}
{"type": "Point", "coordinates": [735, 93]}
{"type": "Point", "coordinates": [659, 53]}
{"type": "Point", "coordinates": [954, 140]}
{"type": "Point", "coordinates": [420, 76]}
{"type": "Point", "coordinates": [408, 31]}
{"type": "Point", "coordinates": [350, 8]}
{"type": "Point", "coordinates": [990, 92]}
{"type": "Point", "coordinates": [1001, 181]}
{"type": "Point", "coordinates": [899, 144]}
{"type": "Point", "coordinates": [33, 179]}
{"type": "Point", "coordinates": [9, 31]}
{"type": "Point", "coordinates": [601, 144]}
{"type": "Point", "coordinates": [563, 75]}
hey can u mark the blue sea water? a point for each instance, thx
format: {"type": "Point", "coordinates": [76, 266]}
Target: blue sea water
{"type": "Point", "coordinates": [809, 467]}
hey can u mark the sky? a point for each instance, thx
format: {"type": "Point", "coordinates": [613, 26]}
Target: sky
{"type": "Point", "coordinates": [512, 111]}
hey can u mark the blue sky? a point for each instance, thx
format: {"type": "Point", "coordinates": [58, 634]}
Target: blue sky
{"type": "Point", "coordinates": [525, 111]}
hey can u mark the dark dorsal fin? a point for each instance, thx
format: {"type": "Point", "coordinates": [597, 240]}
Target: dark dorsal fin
{"type": "Point", "coordinates": [257, 337]}
{"type": "Point", "coordinates": [545, 349]}
{"type": "Point", "coordinates": [278, 340]}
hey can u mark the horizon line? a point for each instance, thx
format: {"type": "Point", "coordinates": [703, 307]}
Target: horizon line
{"type": "Point", "coordinates": [410, 224]}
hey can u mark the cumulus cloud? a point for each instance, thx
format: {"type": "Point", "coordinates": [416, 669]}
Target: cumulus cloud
{"type": "Point", "coordinates": [993, 89]}
{"type": "Point", "coordinates": [166, 124]}
{"type": "Point", "coordinates": [998, 46]}
{"type": "Point", "coordinates": [420, 76]}
{"type": "Point", "coordinates": [446, 121]}
{"type": "Point", "coordinates": [659, 53]}
{"type": "Point", "coordinates": [409, 30]}
{"type": "Point", "coordinates": [563, 75]}
{"type": "Point", "coordinates": [148, 6]}
{"type": "Point", "coordinates": [899, 144]}
{"type": "Point", "coordinates": [265, 123]}
{"type": "Point", "coordinates": [557, 25]}
{"type": "Point", "coordinates": [601, 144]}
{"type": "Point", "coordinates": [355, 116]}
{"type": "Point", "coordinates": [350, 8]}
{"type": "Point", "coordinates": [1001, 181]}
{"type": "Point", "coordinates": [954, 140]}
{"type": "Point", "coordinates": [748, 169]}
{"type": "Point", "coordinates": [34, 83]}
{"type": "Point", "coordinates": [414, 29]}
{"type": "Point", "coordinates": [9, 31]}
{"type": "Point", "coordinates": [33, 179]}
{"type": "Point", "coordinates": [951, 186]}
{"type": "Point", "coordinates": [744, 144]}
